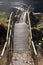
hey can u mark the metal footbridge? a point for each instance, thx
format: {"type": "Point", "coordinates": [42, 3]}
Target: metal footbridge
{"type": "Point", "coordinates": [19, 48]}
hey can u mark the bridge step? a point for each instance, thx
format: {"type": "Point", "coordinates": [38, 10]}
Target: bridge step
{"type": "Point", "coordinates": [21, 51]}
{"type": "Point", "coordinates": [21, 36]}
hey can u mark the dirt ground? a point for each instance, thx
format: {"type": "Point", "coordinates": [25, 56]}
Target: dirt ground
{"type": "Point", "coordinates": [22, 59]}
{"type": "Point", "coordinates": [40, 58]}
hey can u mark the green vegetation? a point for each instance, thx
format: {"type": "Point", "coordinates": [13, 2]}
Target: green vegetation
{"type": "Point", "coordinates": [3, 16]}
{"type": "Point", "coordinates": [37, 30]}
{"type": "Point", "coordinates": [3, 19]}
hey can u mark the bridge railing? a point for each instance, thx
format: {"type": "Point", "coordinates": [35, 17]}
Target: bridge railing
{"type": "Point", "coordinates": [33, 49]}
{"type": "Point", "coordinates": [6, 47]}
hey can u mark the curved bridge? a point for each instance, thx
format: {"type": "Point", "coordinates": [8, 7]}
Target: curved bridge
{"type": "Point", "coordinates": [19, 46]}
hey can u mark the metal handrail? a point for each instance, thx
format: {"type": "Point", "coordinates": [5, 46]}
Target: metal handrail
{"type": "Point", "coordinates": [7, 37]}
{"type": "Point", "coordinates": [37, 13]}
{"type": "Point", "coordinates": [35, 52]}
